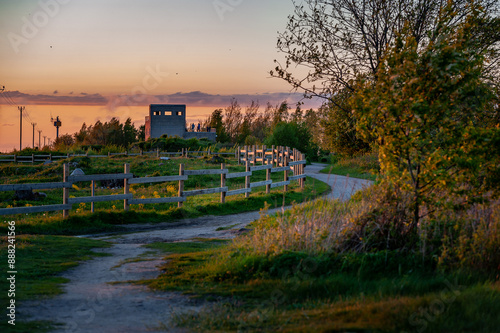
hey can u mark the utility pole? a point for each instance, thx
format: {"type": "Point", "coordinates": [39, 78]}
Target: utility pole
{"type": "Point", "coordinates": [33, 143]}
{"type": "Point", "coordinates": [21, 109]}
{"type": "Point", "coordinates": [57, 124]}
{"type": "Point", "coordinates": [39, 142]}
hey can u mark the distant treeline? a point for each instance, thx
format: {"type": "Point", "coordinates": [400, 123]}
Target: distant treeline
{"type": "Point", "coordinates": [103, 134]}
{"type": "Point", "coordinates": [235, 125]}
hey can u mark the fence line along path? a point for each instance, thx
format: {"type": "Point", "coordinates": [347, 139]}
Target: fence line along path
{"type": "Point", "coordinates": [276, 159]}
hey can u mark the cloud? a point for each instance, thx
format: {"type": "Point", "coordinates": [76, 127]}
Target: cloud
{"type": "Point", "coordinates": [198, 98]}
{"type": "Point", "coordinates": [43, 99]}
{"type": "Point", "coordinates": [193, 99]}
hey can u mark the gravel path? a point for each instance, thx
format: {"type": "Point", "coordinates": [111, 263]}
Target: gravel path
{"type": "Point", "coordinates": [91, 303]}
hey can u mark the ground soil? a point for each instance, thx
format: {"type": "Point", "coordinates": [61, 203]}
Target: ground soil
{"type": "Point", "coordinates": [92, 302]}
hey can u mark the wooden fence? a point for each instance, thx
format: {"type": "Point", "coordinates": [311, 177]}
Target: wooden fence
{"type": "Point", "coordinates": [280, 159]}
{"type": "Point", "coordinates": [34, 158]}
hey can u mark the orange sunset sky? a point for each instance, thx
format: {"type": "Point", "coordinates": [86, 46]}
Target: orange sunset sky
{"type": "Point", "coordinates": [88, 60]}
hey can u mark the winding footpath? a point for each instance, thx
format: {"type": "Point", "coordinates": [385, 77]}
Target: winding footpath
{"type": "Point", "coordinates": [91, 302]}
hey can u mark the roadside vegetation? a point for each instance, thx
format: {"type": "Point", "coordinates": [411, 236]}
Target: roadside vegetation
{"type": "Point", "coordinates": [323, 266]}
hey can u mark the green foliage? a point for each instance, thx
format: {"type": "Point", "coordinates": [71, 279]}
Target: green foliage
{"type": "Point", "coordinates": [216, 121]}
{"type": "Point", "coordinates": [108, 133]}
{"type": "Point", "coordinates": [339, 125]}
{"type": "Point", "coordinates": [293, 135]}
{"type": "Point", "coordinates": [423, 109]}
{"type": "Point", "coordinates": [173, 143]}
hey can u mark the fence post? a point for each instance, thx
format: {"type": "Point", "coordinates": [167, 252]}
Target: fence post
{"type": "Point", "coordinates": [181, 184]}
{"type": "Point", "coordinates": [15, 158]}
{"type": "Point", "coordinates": [272, 156]}
{"type": "Point", "coordinates": [302, 171]}
{"type": "Point", "coordinates": [141, 152]}
{"type": "Point", "coordinates": [158, 152]}
{"type": "Point", "coordinates": [92, 193]}
{"type": "Point", "coordinates": [246, 153]}
{"type": "Point", "coordinates": [126, 187]}
{"type": "Point", "coordinates": [247, 178]}
{"type": "Point", "coordinates": [67, 155]}
{"type": "Point", "coordinates": [222, 183]}
{"type": "Point", "coordinates": [182, 152]}
{"type": "Point", "coordinates": [254, 159]}
{"type": "Point", "coordinates": [285, 163]}
{"type": "Point", "coordinates": [32, 158]}
{"type": "Point", "coordinates": [109, 154]}
{"type": "Point", "coordinates": [65, 189]}
{"type": "Point", "coordinates": [268, 177]}
{"type": "Point", "coordinates": [50, 157]}
{"type": "Point", "coordinates": [236, 154]}
{"type": "Point", "coordinates": [264, 148]}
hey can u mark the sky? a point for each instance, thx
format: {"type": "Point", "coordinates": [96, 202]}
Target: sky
{"type": "Point", "coordinates": [89, 60]}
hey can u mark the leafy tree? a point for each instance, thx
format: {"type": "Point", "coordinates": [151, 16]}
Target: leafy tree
{"type": "Point", "coordinates": [108, 133]}
{"type": "Point", "coordinates": [232, 120]}
{"type": "Point", "coordinates": [262, 123]}
{"type": "Point", "coordinates": [293, 135]}
{"type": "Point", "coordinates": [339, 125]}
{"type": "Point", "coordinates": [423, 111]}
{"type": "Point", "coordinates": [63, 141]}
{"type": "Point", "coordinates": [329, 44]}
{"type": "Point", "coordinates": [215, 120]}
{"type": "Point", "coordinates": [248, 123]}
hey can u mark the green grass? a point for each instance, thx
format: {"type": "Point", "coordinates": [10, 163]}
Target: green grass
{"type": "Point", "coordinates": [298, 293]}
{"type": "Point", "coordinates": [39, 261]}
{"type": "Point", "coordinates": [364, 167]}
{"type": "Point", "coordinates": [200, 244]}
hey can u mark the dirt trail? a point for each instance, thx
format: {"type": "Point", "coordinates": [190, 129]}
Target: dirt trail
{"type": "Point", "coordinates": [91, 304]}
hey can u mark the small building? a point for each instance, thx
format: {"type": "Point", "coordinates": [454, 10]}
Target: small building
{"type": "Point", "coordinates": [170, 119]}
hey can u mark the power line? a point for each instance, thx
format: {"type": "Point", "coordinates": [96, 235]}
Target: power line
{"type": "Point", "coordinates": [21, 109]}
{"type": "Point", "coordinates": [8, 98]}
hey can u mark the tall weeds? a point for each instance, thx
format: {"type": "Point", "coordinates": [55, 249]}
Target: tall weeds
{"type": "Point", "coordinates": [378, 219]}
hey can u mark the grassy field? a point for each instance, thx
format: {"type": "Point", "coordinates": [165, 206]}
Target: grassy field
{"type": "Point", "coordinates": [364, 167]}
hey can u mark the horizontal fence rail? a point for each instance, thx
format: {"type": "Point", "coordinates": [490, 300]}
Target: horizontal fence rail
{"type": "Point", "coordinates": [276, 159]}
{"type": "Point", "coordinates": [40, 158]}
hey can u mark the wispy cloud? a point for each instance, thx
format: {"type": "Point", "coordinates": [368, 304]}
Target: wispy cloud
{"type": "Point", "coordinates": [44, 99]}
